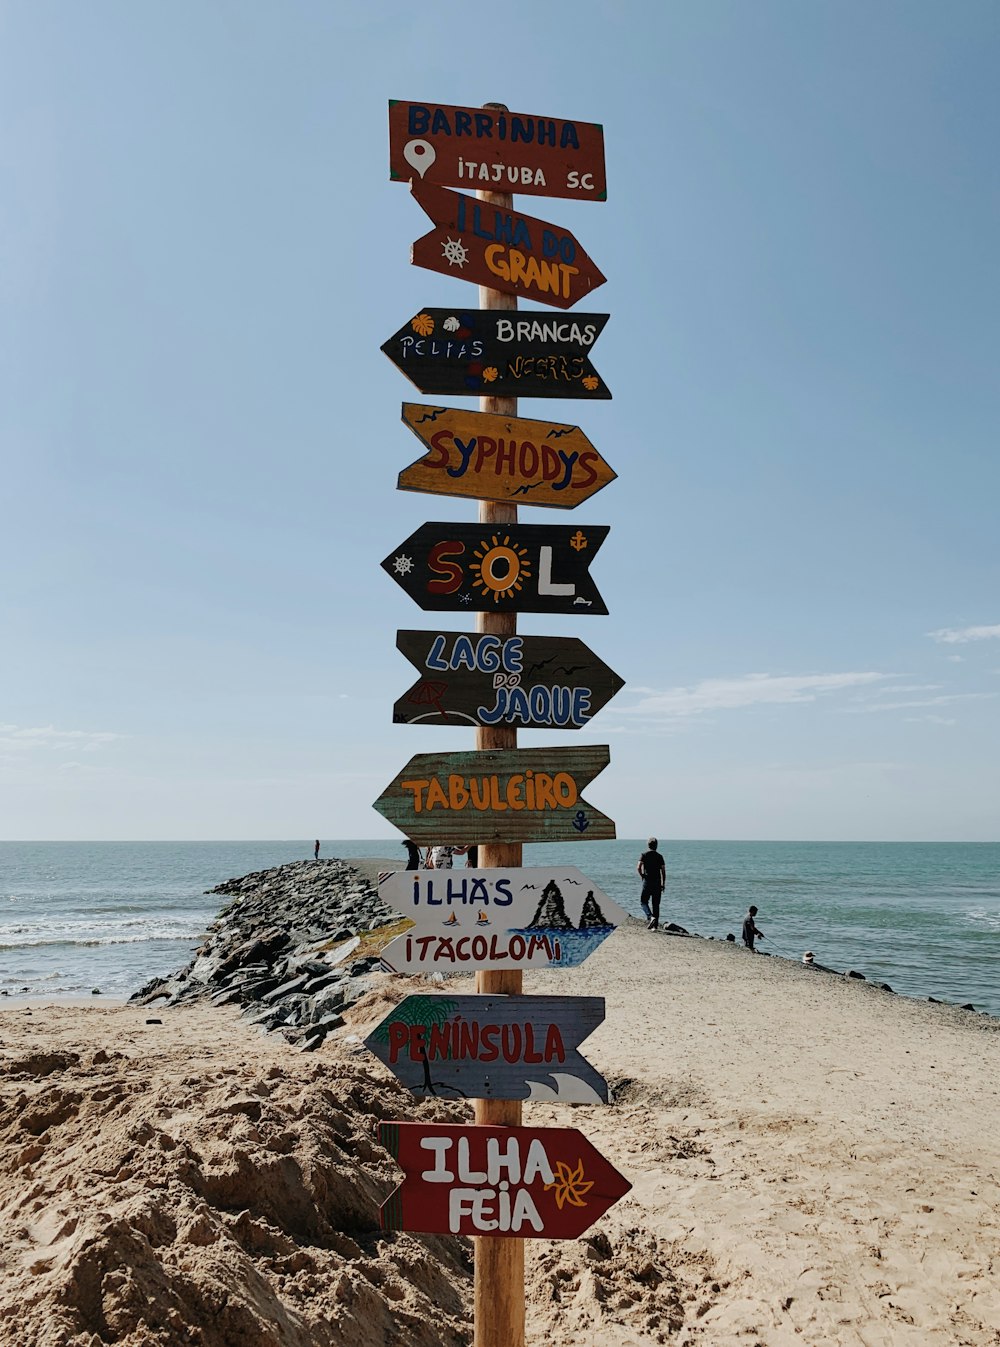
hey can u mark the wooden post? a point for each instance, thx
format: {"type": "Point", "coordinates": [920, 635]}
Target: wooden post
{"type": "Point", "coordinates": [499, 1278]}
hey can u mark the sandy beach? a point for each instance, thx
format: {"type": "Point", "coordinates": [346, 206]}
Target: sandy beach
{"type": "Point", "coordinates": [814, 1161]}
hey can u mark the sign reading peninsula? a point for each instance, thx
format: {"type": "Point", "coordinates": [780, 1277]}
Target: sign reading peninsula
{"type": "Point", "coordinates": [520, 568]}
{"type": "Point", "coordinates": [510, 795]}
{"type": "Point", "coordinates": [496, 150]}
{"type": "Point", "coordinates": [492, 1047]}
{"type": "Point", "coordinates": [503, 249]}
{"type": "Point", "coordinates": [534, 682]}
{"type": "Point", "coordinates": [510, 458]}
{"type": "Point", "coordinates": [501, 354]}
{"type": "Point", "coordinates": [523, 1182]}
{"type": "Point", "coordinates": [463, 920]}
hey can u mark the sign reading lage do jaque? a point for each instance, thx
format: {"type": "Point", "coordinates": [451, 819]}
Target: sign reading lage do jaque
{"type": "Point", "coordinates": [520, 917]}
{"type": "Point", "coordinates": [534, 682]}
{"type": "Point", "coordinates": [492, 1047]}
{"type": "Point", "coordinates": [503, 249]}
{"type": "Point", "coordinates": [496, 150]}
{"type": "Point", "coordinates": [491, 457]}
{"type": "Point", "coordinates": [502, 354]}
{"type": "Point", "coordinates": [521, 1182]}
{"type": "Point", "coordinates": [526, 568]}
{"type": "Point", "coordinates": [500, 795]}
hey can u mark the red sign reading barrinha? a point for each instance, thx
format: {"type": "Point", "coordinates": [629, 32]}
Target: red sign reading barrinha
{"type": "Point", "coordinates": [496, 150]}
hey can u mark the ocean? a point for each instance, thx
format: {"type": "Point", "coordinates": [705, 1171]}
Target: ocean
{"type": "Point", "coordinates": [924, 917]}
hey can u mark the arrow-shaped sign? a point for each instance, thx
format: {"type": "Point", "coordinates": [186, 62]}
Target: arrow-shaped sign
{"type": "Point", "coordinates": [522, 1182]}
{"type": "Point", "coordinates": [532, 682]}
{"type": "Point", "coordinates": [503, 249]}
{"type": "Point", "coordinates": [508, 795]}
{"type": "Point", "coordinates": [492, 1047]}
{"type": "Point", "coordinates": [508, 458]}
{"type": "Point", "coordinates": [496, 150]}
{"type": "Point", "coordinates": [464, 920]}
{"type": "Point", "coordinates": [521, 568]}
{"type": "Point", "coordinates": [504, 354]}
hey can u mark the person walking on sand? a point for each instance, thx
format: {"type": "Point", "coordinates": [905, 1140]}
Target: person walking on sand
{"type": "Point", "coordinates": [750, 931]}
{"type": "Point", "coordinates": [653, 871]}
{"type": "Point", "coordinates": [316, 850]}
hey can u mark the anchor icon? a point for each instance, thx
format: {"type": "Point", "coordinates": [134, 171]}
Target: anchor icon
{"type": "Point", "coordinates": [578, 541]}
{"type": "Point", "coordinates": [580, 821]}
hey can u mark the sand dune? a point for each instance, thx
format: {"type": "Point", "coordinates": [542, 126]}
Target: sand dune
{"type": "Point", "coordinates": [814, 1161]}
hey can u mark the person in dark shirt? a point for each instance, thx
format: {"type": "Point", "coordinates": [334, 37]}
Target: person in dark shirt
{"type": "Point", "coordinates": [316, 850]}
{"type": "Point", "coordinates": [412, 855]}
{"type": "Point", "coordinates": [653, 871]}
{"type": "Point", "coordinates": [750, 931]}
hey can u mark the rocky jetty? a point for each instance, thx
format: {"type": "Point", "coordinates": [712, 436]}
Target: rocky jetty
{"type": "Point", "coordinates": [294, 946]}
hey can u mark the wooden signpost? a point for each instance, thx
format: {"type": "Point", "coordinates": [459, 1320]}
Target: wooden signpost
{"type": "Point", "coordinates": [523, 1182]}
{"type": "Point", "coordinates": [498, 1179]}
{"type": "Point", "coordinates": [501, 248]}
{"type": "Point", "coordinates": [521, 795]}
{"type": "Point", "coordinates": [538, 682]}
{"type": "Point", "coordinates": [528, 355]}
{"type": "Point", "coordinates": [492, 1047]}
{"type": "Point", "coordinates": [464, 920]}
{"type": "Point", "coordinates": [502, 458]}
{"type": "Point", "coordinates": [513, 568]}
{"type": "Point", "coordinates": [497, 150]}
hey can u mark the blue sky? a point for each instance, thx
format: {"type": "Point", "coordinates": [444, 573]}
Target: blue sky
{"type": "Point", "coordinates": [200, 254]}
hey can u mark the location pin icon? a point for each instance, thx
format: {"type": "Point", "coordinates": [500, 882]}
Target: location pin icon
{"type": "Point", "coordinates": [419, 154]}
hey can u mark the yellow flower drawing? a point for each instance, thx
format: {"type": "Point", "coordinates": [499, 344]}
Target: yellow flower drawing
{"type": "Point", "coordinates": [569, 1185]}
{"type": "Point", "coordinates": [591, 382]}
{"type": "Point", "coordinates": [490, 373]}
{"type": "Point", "coordinates": [423, 324]}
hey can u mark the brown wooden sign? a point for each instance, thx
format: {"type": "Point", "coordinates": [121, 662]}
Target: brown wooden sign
{"type": "Point", "coordinates": [502, 249]}
{"type": "Point", "coordinates": [492, 1047]}
{"type": "Point", "coordinates": [529, 682]}
{"type": "Point", "coordinates": [509, 795]}
{"type": "Point", "coordinates": [491, 457]}
{"type": "Point", "coordinates": [518, 1182]}
{"type": "Point", "coordinates": [500, 354]}
{"type": "Point", "coordinates": [526, 568]}
{"type": "Point", "coordinates": [498, 151]}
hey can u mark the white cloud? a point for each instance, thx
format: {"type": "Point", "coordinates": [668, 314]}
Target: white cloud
{"type": "Point", "coordinates": [960, 635]}
{"type": "Point", "coordinates": [945, 699]}
{"type": "Point", "coordinates": [930, 720]}
{"type": "Point", "coordinates": [23, 738]}
{"type": "Point", "coordinates": [731, 694]}
{"type": "Point", "coordinates": [955, 659]}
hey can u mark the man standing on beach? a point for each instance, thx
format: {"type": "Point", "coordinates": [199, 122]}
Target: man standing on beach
{"type": "Point", "coordinates": [316, 850]}
{"type": "Point", "coordinates": [653, 870]}
{"type": "Point", "coordinates": [750, 931]}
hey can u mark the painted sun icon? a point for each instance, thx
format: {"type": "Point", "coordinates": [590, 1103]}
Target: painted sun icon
{"type": "Point", "coordinates": [423, 324]}
{"type": "Point", "coordinates": [568, 1185]}
{"type": "Point", "coordinates": [490, 374]}
{"type": "Point", "coordinates": [501, 567]}
{"type": "Point", "coordinates": [591, 382]}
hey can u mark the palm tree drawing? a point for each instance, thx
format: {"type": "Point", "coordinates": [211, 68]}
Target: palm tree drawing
{"type": "Point", "coordinates": [425, 1011]}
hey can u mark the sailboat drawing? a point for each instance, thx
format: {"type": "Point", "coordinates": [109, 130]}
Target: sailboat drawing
{"type": "Point", "coordinates": [482, 919]}
{"type": "Point", "coordinates": [450, 920]}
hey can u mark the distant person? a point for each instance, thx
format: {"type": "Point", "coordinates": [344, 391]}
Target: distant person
{"type": "Point", "coordinates": [750, 931]}
{"type": "Point", "coordinates": [652, 868]}
{"type": "Point", "coordinates": [316, 850]}
{"type": "Point", "coordinates": [412, 855]}
{"type": "Point", "coordinates": [808, 958]}
{"type": "Point", "coordinates": [472, 857]}
{"type": "Point", "coordinates": [443, 858]}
